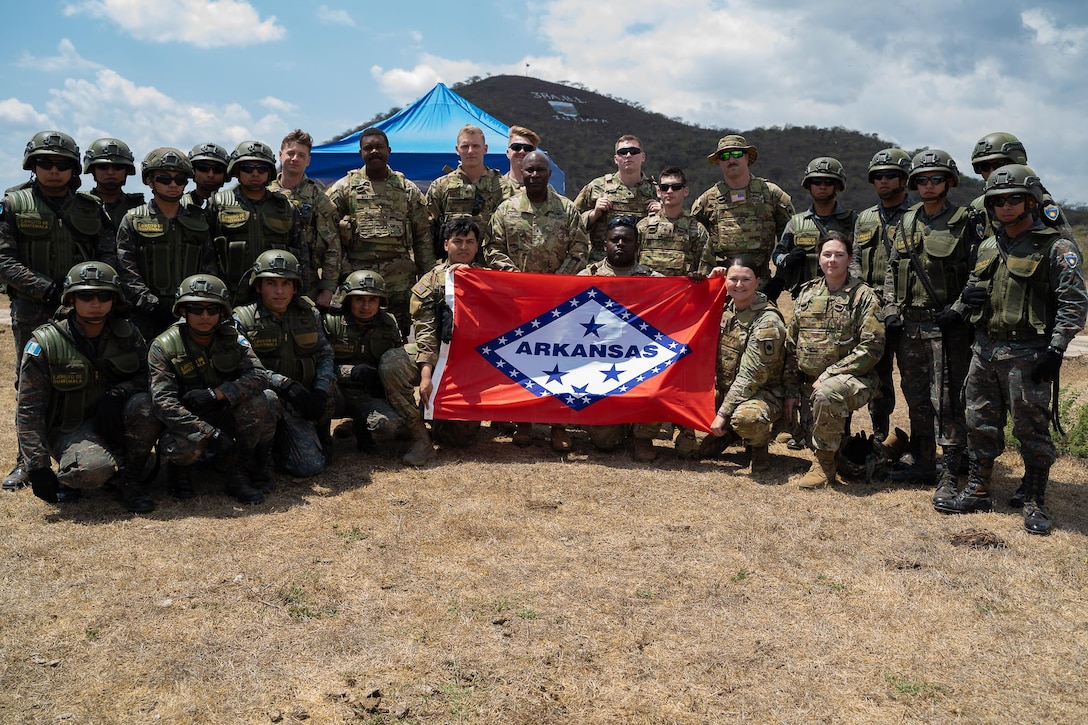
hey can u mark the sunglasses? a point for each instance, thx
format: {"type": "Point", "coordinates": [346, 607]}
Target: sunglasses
{"type": "Point", "coordinates": [253, 168]}
{"type": "Point", "coordinates": [629, 151]}
{"type": "Point", "coordinates": [111, 167]}
{"type": "Point", "coordinates": [167, 179]}
{"type": "Point", "coordinates": [204, 168]}
{"type": "Point", "coordinates": [203, 310]}
{"type": "Point", "coordinates": [734, 154]}
{"type": "Point", "coordinates": [820, 181]}
{"type": "Point", "coordinates": [881, 175]}
{"type": "Point", "coordinates": [935, 179]}
{"type": "Point", "coordinates": [526, 147]}
{"type": "Point", "coordinates": [1009, 199]}
{"type": "Point", "coordinates": [91, 296]}
{"type": "Point", "coordinates": [670, 187]}
{"type": "Point", "coordinates": [624, 220]}
{"type": "Point", "coordinates": [49, 164]}
{"type": "Point", "coordinates": [991, 165]}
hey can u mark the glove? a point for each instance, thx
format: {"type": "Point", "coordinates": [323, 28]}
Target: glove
{"type": "Point", "coordinates": [222, 444]}
{"type": "Point", "coordinates": [795, 257]}
{"type": "Point", "coordinates": [201, 401]}
{"type": "Point", "coordinates": [45, 484]}
{"type": "Point", "coordinates": [52, 295]}
{"type": "Point", "coordinates": [893, 323]}
{"type": "Point", "coordinates": [949, 319]}
{"type": "Point", "coordinates": [314, 407]}
{"type": "Point", "coordinates": [1047, 365]}
{"type": "Point", "coordinates": [974, 296]}
{"type": "Point", "coordinates": [162, 315]}
{"type": "Point", "coordinates": [363, 373]}
{"type": "Point", "coordinates": [109, 420]}
{"type": "Point", "coordinates": [295, 394]}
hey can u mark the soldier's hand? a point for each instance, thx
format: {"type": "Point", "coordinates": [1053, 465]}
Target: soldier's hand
{"type": "Point", "coordinates": [201, 401]}
{"type": "Point", "coordinates": [720, 426]}
{"type": "Point", "coordinates": [893, 323]}
{"type": "Point", "coordinates": [222, 443]}
{"type": "Point", "coordinates": [109, 419]}
{"type": "Point", "coordinates": [974, 296]}
{"type": "Point", "coordinates": [949, 319]}
{"type": "Point", "coordinates": [363, 373]}
{"type": "Point", "coordinates": [794, 258]}
{"type": "Point", "coordinates": [314, 408]}
{"type": "Point", "coordinates": [44, 483]}
{"type": "Point", "coordinates": [697, 277]}
{"type": "Point", "coordinates": [295, 394]}
{"type": "Point", "coordinates": [1047, 365]}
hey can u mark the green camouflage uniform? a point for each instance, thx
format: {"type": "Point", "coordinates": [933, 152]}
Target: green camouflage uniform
{"type": "Point", "coordinates": [178, 364]}
{"type": "Point", "coordinates": [804, 231]}
{"type": "Point", "coordinates": [455, 196]}
{"type": "Point", "coordinates": [631, 200]}
{"type": "Point", "coordinates": [751, 355]}
{"type": "Point", "coordinates": [1051, 214]}
{"type": "Point", "coordinates": [319, 225]}
{"type": "Point", "coordinates": [546, 238]}
{"type": "Point", "coordinates": [747, 221]}
{"type": "Point", "coordinates": [384, 228]}
{"type": "Point", "coordinates": [835, 339]}
{"type": "Point", "coordinates": [63, 379]}
{"type": "Point", "coordinates": [674, 247]}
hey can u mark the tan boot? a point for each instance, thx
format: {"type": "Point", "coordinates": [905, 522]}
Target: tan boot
{"type": "Point", "coordinates": [422, 449]}
{"type": "Point", "coordinates": [686, 446]}
{"type": "Point", "coordinates": [560, 439]}
{"type": "Point", "coordinates": [822, 472]}
{"type": "Point", "coordinates": [523, 435]}
{"type": "Point", "coordinates": [761, 458]}
{"type": "Point", "coordinates": [644, 450]}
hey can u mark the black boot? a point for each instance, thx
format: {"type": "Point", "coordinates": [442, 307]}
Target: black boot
{"type": "Point", "coordinates": [179, 481]}
{"type": "Point", "coordinates": [917, 468]}
{"type": "Point", "coordinates": [1016, 501]}
{"type": "Point", "coordinates": [1036, 519]}
{"type": "Point", "coordinates": [948, 484]}
{"type": "Point", "coordinates": [239, 486]}
{"type": "Point", "coordinates": [974, 498]}
{"type": "Point", "coordinates": [262, 468]}
{"type": "Point", "coordinates": [130, 486]}
{"type": "Point", "coordinates": [16, 479]}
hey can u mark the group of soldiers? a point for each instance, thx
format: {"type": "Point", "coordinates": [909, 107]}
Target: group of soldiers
{"type": "Point", "coordinates": [229, 327]}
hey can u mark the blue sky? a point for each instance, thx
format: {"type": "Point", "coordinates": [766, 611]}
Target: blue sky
{"type": "Point", "coordinates": [177, 73]}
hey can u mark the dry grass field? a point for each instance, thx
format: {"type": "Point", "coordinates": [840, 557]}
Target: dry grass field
{"type": "Point", "coordinates": [516, 586]}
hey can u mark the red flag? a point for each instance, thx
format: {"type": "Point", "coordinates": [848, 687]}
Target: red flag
{"type": "Point", "coordinates": [586, 350]}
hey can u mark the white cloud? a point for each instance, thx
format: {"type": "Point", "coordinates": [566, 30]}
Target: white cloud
{"type": "Point", "coordinates": [67, 61]}
{"type": "Point", "coordinates": [203, 23]}
{"type": "Point", "coordinates": [328, 15]}
{"type": "Point", "coordinates": [14, 111]}
{"type": "Point", "coordinates": [1047, 33]}
{"type": "Point", "coordinates": [277, 104]}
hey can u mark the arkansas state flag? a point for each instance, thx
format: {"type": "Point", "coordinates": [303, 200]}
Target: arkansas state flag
{"type": "Point", "coordinates": [544, 348]}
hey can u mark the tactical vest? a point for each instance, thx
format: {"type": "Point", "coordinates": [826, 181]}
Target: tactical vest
{"type": "Point", "coordinates": [197, 367]}
{"type": "Point", "coordinates": [744, 222]}
{"type": "Point", "coordinates": [291, 346]}
{"type": "Point", "coordinates": [1021, 305]}
{"type": "Point", "coordinates": [826, 331]}
{"type": "Point", "coordinates": [246, 234]}
{"type": "Point", "coordinates": [50, 245]}
{"type": "Point", "coordinates": [872, 246]}
{"type": "Point", "coordinates": [807, 231]}
{"type": "Point", "coordinates": [943, 253]}
{"type": "Point", "coordinates": [477, 201]}
{"type": "Point", "coordinates": [380, 223]}
{"type": "Point", "coordinates": [78, 384]}
{"type": "Point", "coordinates": [116, 211]}
{"type": "Point", "coordinates": [733, 341]}
{"type": "Point", "coordinates": [361, 343]}
{"type": "Point", "coordinates": [666, 245]}
{"type": "Point", "coordinates": [168, 250]}
{"type": "Point", "coordinates": [626, 200]}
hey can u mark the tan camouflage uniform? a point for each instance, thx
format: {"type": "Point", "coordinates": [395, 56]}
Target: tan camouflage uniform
{"type": "Point", "coordinates": [625, 199]}
{"type": "Point", "coordinates": [455, 196]}
{"type": "Point", "coordinates": [675, 247]}
{"type": "Point", "coordinates": [546, 238]}
{"type": "Point", "coordinates": [747, 221]}
{"type": "Point", "coordinates": [319, 225]}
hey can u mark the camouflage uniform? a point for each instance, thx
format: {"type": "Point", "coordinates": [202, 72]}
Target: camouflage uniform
{"type": "Point", "coordinates": [746, 221]}
{"type": "Point", "coordinates": [63, 379]}
{"type": "Point", "coordinates": [455, 196]}
{"type": "Point", "coordinates": [932, 364]}
{"type": "Point", "coordinates": [804, 231]}
{"type": "Point", "coordinates": [547, 238]}
{"type": "Point", "coordinates": [751, 355]}
{"type": "Point", "coordinates": [319, 225]}
{"type": "Point", "coordinates": [835, 339]}
{"type": "Point", "coordinates": [241, 229]}
{"type": "Point", "coordinates": [294, 349]}
{"type": "Point", "coordinates": [626, 200]}
{"type": "Point", "coordinates": [155, 253]}
{"type": "Point", "coordinates": [116, 210]}
{"type": "Point", "coordinates": [178, 365]}
{"type": "Point", "coordinates": [674, 247]}
{"type": "Point", "coordinates": [384, 228]}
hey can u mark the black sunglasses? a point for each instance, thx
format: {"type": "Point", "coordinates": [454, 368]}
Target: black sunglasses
{"type": "Point", "coordinates": [204, 167]}
{"type": "Point", "coordinates": [252, 168]}
{"type": "Point", "coordinates": [167, 179]}
{"type": "Point", "coordinates": [91, 296]}
{"type": "Point", "coordinates": [203, 310]}
{"type": "Point", "coordinates": [629, 151]}
{"type": "Point", "coordinates": [59, 165]}
{"type": "Point", "coordinates": [671, 187]}
{"type": "Point", "coordinates": [526, 147]}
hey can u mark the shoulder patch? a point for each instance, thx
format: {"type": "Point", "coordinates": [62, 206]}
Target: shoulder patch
{"type": "Point", "coordinates": [32, 348]}
{"type": "Point", "coordinates": [243, 340]}
{"type": "Point", "coordinates": [738, 195]}
{"type": "Point", "coordinates": [1052, 212]}
{"type": "Point", "coordinates": [1071, 259]}
{"type": "Point", "coordinates": [980, 230]}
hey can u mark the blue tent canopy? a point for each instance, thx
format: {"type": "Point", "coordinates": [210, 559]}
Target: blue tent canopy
{"type": "Point", "coordinates": [422, 137]}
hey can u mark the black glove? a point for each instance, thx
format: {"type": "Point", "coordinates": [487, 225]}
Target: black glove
{"type": "Point", "coordinates": [109, 419]}
{"type": "Point", "coordinates": [363, 373]}
{"type": "Point", "coordinates": [222, 444]}
{"type": "Point", "coordinates": [45, 484]}
{"type": "Point", "coordinates": [974, 296]}
{"type": "Point", "coordinates": [314, 408]}
{"type": "Point", "coordinates": [201, 401]}
{"type": "Point", "coordinates": [893, 323]}
{"type": "Point", "coordinates": [949, 319]}
{"type": "Point", "coordinates": [775, 286]}
{"type": "Point", "coordinates": [1047, 365]}
{"type": "Point", "coordinates": [795, 257]}
{"type": "Point", "coordinates": [295, 394]}
{"type": "Point", "coordinates": [52, 295]}
{"type": "Point", "coordinates": [162, 315]}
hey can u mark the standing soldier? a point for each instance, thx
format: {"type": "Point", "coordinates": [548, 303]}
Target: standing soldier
{"type": "Point", "coordinates": [745, 215]}
{"type": "Point", "coordinates": [626, 192]}
{"type": "Point", "coordinates": [1026, 300]}
{"type": "Point", "coordinates": [249, 219]}
{"type": "Point", "coordinates": [46, 227]}
{"type": "Point", "coordinates": [520, 141]}
{"type": "Point", "coordinates": [872, 247]}
{"type": "Point", "coordinates": [209, 390]}
{"type": "Point", "coordinates": [109, 161]}
{"type": "Point", "coordinates": [319, 218]}
{"type": "Point", "coordinates": [162, 242]}
{"type": "Point", "coordinates": [932, 246]}
{"type": "Point", "coordinates": [83, 396]}
{"type": "Point", "coordinates": [383, 223]}
{"type": "Point", "coordinates": [671, 240]}
{"type": "Point", "coordinates": [209, 162]}
{"type": "Point", "coordinates": [285, 330]}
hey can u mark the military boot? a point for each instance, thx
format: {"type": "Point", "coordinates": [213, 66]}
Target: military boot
{"type": "Point", "coordinates": [130, 486]}
{"type": "Point", "coordinates": [262, 471]}
{"type": "Point", "coordinates": [918, 468]}
{"type": "Point", "coordinates": [686, 446]}
{"type": "Point", "coordinates": [974, 497]}
{"type": "Point", "coordinates": [422, 449]}
{"type": "Point", "coordinates": [16, 479]}
{"type": "Point", "coordinates": [760, 458]}
{"type": "Point", "coordinates": [523, 435]}
{"type": "Point", "coordinates": [822, 472]}
{"type": "Point", "coordinates": [240, 487]}
{"type": "Point", "coordinates": [948, 484]}
{"type": "Point", "coordinates": [1016, 501]}
{"type": "Point", "coordinates": [179, 481]}
{"type": "Point", "coordinates": [644, 450]}
{"type": "Point", "coordinates": [1036, 519]}
{"type": "Point", "coordinates": [713, 446]}
{"type": "Point", "coordinates": [364, 439]}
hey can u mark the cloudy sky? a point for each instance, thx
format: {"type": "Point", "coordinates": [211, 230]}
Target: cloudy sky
{"type": "Point", "coordinates": [931, 73]}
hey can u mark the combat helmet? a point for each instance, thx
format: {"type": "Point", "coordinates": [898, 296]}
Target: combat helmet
{"type": "Point", "coordinates": [165, 158]}
{"type": "Point", "coordinates": [202, 288]}
{"type": "Point", "coordinates": [890, 159]}
{"type": "Point", "coordinates": [250, 151]}
{"type": "Point", "coordinates": [1014, 179]}
{"type": "Point", "coordinates": [109, 151]}
{"type": "Point", "coordinates": [998, 146]}
{"type": "Point", "coordinates": [50, 143]}
{"type": "Point", "coordinates": [209, 152]}
{"type": "Point", "coordinates": [364, 283]}
{"type": "Point", "coordinates": [94, 276]}
{"type": "Point", "coordinates": [933, 161]}
{"type": "Point", "coordinates": [824, 167]}
{"type": "Point", "coordinates": [275, 263]}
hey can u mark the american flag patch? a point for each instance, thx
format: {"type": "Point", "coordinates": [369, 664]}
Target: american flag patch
{"type": "Point", "coordinates": [738, 195]}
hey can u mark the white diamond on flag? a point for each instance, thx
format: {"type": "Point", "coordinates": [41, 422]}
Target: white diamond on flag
{"type": "Point", "coordinates": [583, 350]}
